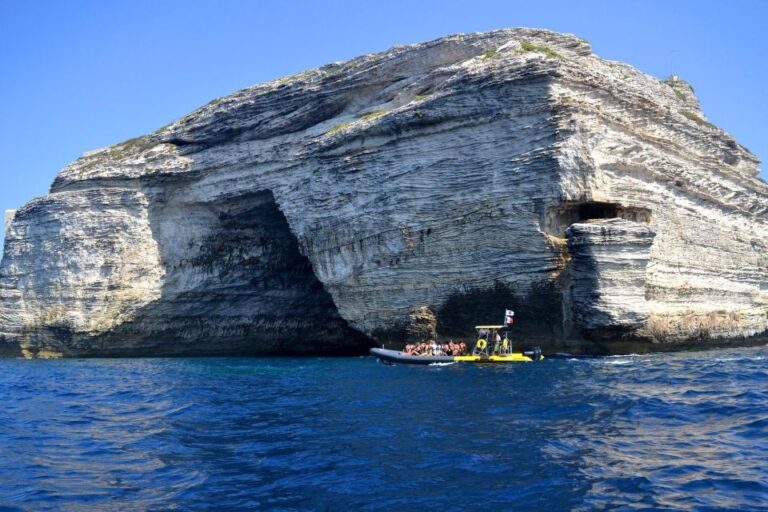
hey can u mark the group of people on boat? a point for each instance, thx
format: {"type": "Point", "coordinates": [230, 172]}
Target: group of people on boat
{"type": "Point", "coordinates": [493, 345]}
{"type": "Point", "coordinates": [432, 348]}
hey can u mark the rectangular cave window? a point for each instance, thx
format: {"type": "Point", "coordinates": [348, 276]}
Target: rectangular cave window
{"type": "Point", "coordinates": [560, 217]}
{"type": "Point", "coordinates": [591, 211]}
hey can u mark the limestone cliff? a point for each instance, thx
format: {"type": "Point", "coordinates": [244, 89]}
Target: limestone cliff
{"type": "Point", "coordinates": [316, 213]}
{"type": "Point", "coordinates": [9, 214]}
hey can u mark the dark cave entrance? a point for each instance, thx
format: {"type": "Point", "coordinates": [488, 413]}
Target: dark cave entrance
{"type": "Point", "coordinates": [255, 254]}
{"type": "Point", "coordinates": [588, 211]}
{"type": "Point", "coordinates": [558, 218]}
{"type": "Point", "coordinates": [237, 283]}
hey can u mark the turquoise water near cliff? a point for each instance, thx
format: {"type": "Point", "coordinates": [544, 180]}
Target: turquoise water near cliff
{"type": "Point", "coordinates": [671, 431]}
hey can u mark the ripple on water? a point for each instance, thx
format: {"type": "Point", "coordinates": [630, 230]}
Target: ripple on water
{"type": "Point", "coordinates": [674, 431]}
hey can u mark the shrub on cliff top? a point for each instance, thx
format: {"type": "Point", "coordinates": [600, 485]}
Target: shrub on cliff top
{"type": "Point", "coordinates": [527, 46]}
{"type": "Point", "coordinates": [695, 118]}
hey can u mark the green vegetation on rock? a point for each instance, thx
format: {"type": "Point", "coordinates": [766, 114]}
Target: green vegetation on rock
{"type": "Point", "coordinates": [130, 147]}
{"type": "Point", "coordinates": [695, 118]}
{"type": "Point", "coordinates": [527, 47]}
{"type": "Point", "coordinates": [339, 127]}
{"type": "Point", "coordinates": [365, 117]}
{"type": "Point", "coordinates": [373, 115]}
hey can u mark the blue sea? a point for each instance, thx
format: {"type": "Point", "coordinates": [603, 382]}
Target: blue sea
{"type": "Point", "coordinates": [683, 431]}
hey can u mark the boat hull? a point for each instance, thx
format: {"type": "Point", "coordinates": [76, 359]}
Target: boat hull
{"type": "Point", "coordinates": [395, 356]}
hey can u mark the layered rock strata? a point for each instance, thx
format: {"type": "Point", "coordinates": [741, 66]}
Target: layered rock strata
{"type": "Point", "coordinates": [8, 218]}
{"type": "Point", "coordinates": [315, 213]}
{"type": "Point", "coordinates": [608, 276]}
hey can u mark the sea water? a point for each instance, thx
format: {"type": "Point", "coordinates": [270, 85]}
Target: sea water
{"type": "Point", "coordinates": [667, 431]}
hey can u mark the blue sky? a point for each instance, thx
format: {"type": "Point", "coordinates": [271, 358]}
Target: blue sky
{"type": "Point", "coordinates": [79, 75]}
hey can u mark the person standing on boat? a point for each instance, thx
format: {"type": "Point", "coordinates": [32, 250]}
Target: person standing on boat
{"type": "Point", "coordinates": [509, 319]}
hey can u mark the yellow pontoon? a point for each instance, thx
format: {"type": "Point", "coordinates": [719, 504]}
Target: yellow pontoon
{"type": "Point", "coordinates": [494, 346]}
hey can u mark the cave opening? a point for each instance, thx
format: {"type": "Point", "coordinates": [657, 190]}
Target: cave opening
{"type": "Point", "coordinates": [255, 253]}
{"type": "Point", "coordinates": [558, 218]}
{"type": "Point", "coordinates": [590, 211]}
{"type": "Point", "coordinates": [237, 283]}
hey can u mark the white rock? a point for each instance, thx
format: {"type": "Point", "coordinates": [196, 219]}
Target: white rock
{"type": "Point", "coordinates": [9, 214]}
{"type": "Point", "coordinates": [297, 214]}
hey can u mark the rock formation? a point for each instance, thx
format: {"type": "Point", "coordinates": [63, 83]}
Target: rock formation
{"type": "Point", "coordinates": [422, 325]}
{"type": "Point", "coordinates": [316, 213]}
{"type": "Point", "coordinates": [9, 214]}
{"type": "Point", "coordinates": [607, 275]}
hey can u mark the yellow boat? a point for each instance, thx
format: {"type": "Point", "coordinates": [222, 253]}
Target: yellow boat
{"type": "Point", "coordinates": [491, 347]}
{"type": "Point", "coordinates": [497, 350]}
{"type": "Point", "coordinates": [509, 358]}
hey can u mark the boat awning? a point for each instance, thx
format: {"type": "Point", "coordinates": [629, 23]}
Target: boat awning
{"type": "Point", "coordinates": [489, 327]}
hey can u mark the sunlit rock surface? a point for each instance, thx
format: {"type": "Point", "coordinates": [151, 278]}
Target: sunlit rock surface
{"type": "Point", "coordinates": [8, 218]}
{"type": "Point", "coordinates": [607, 275]}
{"type": "Point", "coordinates": [316, 213]}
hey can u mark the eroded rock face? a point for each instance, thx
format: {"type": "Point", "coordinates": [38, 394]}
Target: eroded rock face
{"type": "Point", "coordinates": [313, 213]}
{"type": "Point", "coordinates": [9, 214]}
{"type": "Point", "coordinates": [607, 276]}
{"type": "Point", "coordinates": [422, 325]}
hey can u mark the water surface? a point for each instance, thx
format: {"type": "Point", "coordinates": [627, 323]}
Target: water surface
{"type": "Point", "coordinates": [672, 431]}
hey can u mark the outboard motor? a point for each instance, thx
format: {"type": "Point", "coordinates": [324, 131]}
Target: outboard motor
{"type": "Point", "coordinates": [534, 354]}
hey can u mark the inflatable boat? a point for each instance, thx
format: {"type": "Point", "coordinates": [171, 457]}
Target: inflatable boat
{"type": "Point", "coordinates": [490, 347]}
{"type": "Point", "coordinates": [397, 356]}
